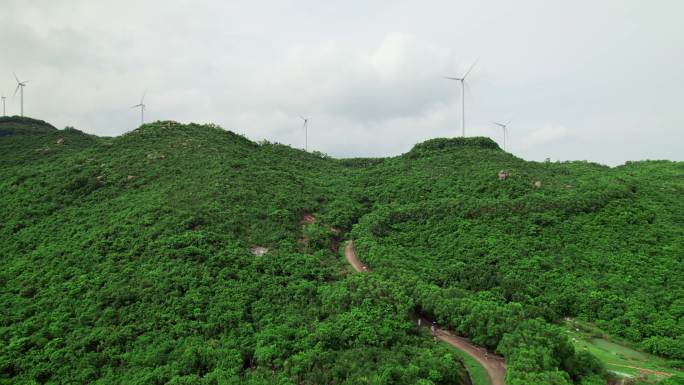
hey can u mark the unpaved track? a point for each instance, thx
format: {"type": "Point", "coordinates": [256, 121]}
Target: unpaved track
{"type": "Point", "coordinates": [493, 364]}
{"type": "Point", "coordinates": [350, 253]}
{"type": "Point", "coordinates": [644, 370]}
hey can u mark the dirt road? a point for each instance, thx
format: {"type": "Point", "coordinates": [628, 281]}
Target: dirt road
{"type": "Point", "coordinates": [353, 260]}
{"type": "Point", "coordinates": [493, 364]}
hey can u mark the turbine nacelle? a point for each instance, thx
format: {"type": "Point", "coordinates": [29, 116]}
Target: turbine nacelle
{"type": "Point", "coordinates": [20, 84]}
{"type": "Point", "coordinates": [504, 126]}
{"type": "Point", "coordinates": [463, 78]}
{"type": "Point", "coordinates": [142, 106]}
{"type": "Point", "coordinates": [463, 86]}
{"type": "Point", "coordinates": [20, 89]}
{"type": "Point", "coordinates": [306, 132]}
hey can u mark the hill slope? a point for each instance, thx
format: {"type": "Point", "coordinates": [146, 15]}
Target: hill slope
{"type": "Point", "coordinates": [489, 258]}
{"type": "Point", "coordinates": [128, 259]}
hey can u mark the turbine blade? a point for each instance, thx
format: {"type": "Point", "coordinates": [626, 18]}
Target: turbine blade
{"type": "Point", "coordinates": [143, 97]}
{"type": "Point", "coordinates": [508, 122]}
{"type": "Point", "coordinates": [450, 78]}
{"type": "Point", "coordinates": [470, 69]}
{"type": "Point", "coordinates": [16, 89]}
{"type": "Point", "coordinates": [15, 76]}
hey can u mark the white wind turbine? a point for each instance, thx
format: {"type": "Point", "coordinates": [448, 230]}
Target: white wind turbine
{"type": "Point", "coordinates": [142, 109]}
{"type": "Point", "coordinates": [3, 105]}
{"type": "Point", "coordinates": [462, 80]}
{"type": "Point", "coordinates": [20, 87]}
{"type": "Point", "coordinates": [505, 131]}
{"type": "Point", "coordinates": [306, 132]}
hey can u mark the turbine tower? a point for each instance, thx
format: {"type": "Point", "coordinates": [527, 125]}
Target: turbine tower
{"type": "Point", "coordinates": [462, 80]}
{"type": "Point", "coordinates": [142, 109]}
{"type": "Point", "coordinates": [505, 131]}
{"type": "Point", "coordinates": [306, 133]}
{"type": "Point", "coordinates": [20, 87]}
{"type": "Point", "coordinates": [3, 105]}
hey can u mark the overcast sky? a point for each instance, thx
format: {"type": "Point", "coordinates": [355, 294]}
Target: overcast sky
{"type": "Point", "coordinates": [580, 80]}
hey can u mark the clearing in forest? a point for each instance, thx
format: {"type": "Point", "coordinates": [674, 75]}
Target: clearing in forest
{"type": "Point", "coordinates": [618, 358]}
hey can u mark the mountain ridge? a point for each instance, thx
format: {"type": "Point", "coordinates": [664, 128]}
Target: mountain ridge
{"type": "Point", "coordinates": [128, 259]}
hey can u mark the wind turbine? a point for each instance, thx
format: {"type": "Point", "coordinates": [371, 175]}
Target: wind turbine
{"type": "Point", "coordinates": [306, 133]}
{"type": "Point", "coordinates": [462, 80]}
{"type": "Point", "coordinates": [142, 108]}
{"type": "Point", "coordinates": [505, 131]}
{"type": "Point", "coordinates": [3, 104]}
{"type": "Point", "coordinates": [20, 87]}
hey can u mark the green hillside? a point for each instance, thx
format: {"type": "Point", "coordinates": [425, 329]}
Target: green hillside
{"type": "Point", "coordinates": [131, 260]}
{"type": "Point", "coordinates": [494, 259]}
{"type": "Point", "coordinates": [127, 261]}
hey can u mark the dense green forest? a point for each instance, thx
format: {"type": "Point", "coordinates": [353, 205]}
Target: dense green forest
{"type": "Point", "coordinates": [132, 259]}
{"type": "Point", "coordinates": [501, 261]}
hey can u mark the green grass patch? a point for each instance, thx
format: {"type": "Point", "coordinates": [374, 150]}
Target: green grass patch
{"type": "Point", "coordinates": [618, 358]}
{"type": "Point", "coordinates": [619, 350]}
{"type": "Point", "coordinates": [478, 374]}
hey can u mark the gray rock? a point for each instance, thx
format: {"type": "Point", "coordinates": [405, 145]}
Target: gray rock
{"type": "Point", "coordinates": [503, 175]}
{"type": "Point", "coordinates": [259, 250]}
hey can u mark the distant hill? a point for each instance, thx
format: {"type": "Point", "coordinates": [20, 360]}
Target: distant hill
{"type": "Point", "coordinates": [179, 254]}
{"type": "Point", "coordinates": [14, 125]}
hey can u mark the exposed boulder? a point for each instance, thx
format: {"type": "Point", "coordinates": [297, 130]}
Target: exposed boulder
{"type": "Point", "coordinates": [156, 156]}
{"type": "Point", "coordinates": [258, 251]}
{"type": "Point", "coordinates": [503, 175]}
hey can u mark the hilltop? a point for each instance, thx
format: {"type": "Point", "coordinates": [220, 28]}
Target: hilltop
{"type": "Point", "coordinates": [17, 125]}
{"type": "Point", "coordinates": [188, 254]}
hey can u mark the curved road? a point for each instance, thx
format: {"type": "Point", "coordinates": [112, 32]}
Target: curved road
{"type": "Point", "coordinates": [493, 364]}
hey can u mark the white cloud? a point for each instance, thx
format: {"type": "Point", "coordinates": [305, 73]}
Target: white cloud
{"type": "Point", "coordinates": [370, 75]}
{"type": "Point", "coordinates": [543, 136]}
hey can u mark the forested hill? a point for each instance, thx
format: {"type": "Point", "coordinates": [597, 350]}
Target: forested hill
{"type": "Point", "coordinates": [501, 261]}
{"type": "Point", "coordinates": [187, 254]}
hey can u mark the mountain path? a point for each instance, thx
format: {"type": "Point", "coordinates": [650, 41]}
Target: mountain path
{"type": "Point", "coordinates": [493, 364]}
{"type": "Point", "coordinates": [644, 370]}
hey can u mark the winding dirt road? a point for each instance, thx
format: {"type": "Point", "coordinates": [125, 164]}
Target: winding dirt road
{"type": "Point", "coordinates": [493, 364]}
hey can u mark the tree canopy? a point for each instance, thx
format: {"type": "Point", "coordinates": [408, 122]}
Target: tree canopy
{"type": "Point", "coordinates": [130, 259]}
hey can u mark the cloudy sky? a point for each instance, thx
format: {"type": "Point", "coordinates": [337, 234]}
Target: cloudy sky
{"type": "Point", "coordinates": [599, 81]}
